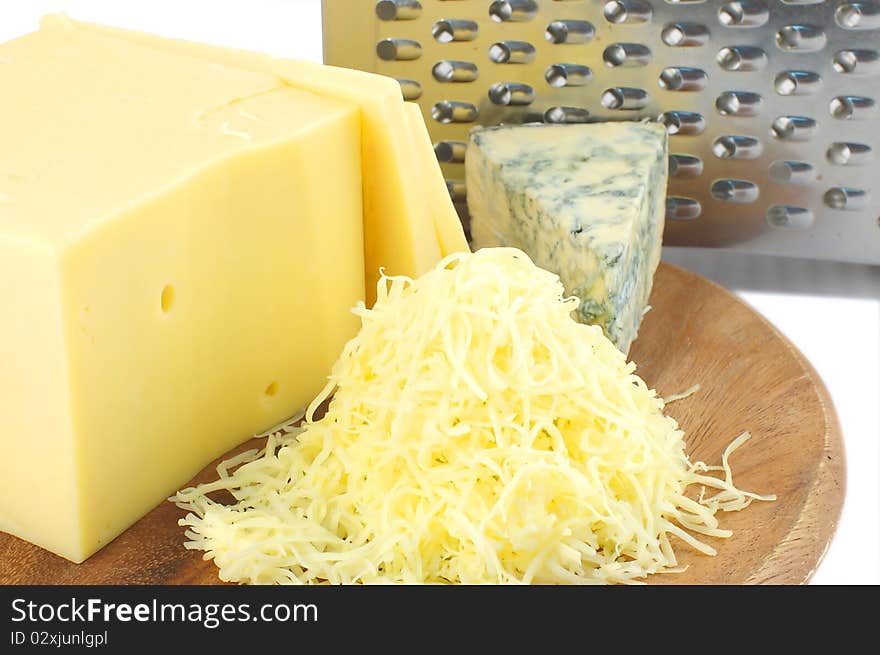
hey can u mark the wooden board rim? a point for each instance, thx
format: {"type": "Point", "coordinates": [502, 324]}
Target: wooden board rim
{"type": "Point", "coordinates": [829, 480]}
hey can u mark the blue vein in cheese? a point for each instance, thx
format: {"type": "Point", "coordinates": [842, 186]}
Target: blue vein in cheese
{"type": "Point", "coordinates": [586, 202]}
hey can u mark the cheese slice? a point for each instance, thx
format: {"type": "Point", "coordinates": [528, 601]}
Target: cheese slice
{"type": "Point", "coordinates": [399, 230]}
{"type": "Point", "coordinates": [181, 245]}
{"type": "Point", "coordinates": [586, 202]}
{"type": "Point", "coordinates": [450, 234]}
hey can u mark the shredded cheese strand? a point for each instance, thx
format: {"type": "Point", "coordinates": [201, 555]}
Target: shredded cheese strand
{"type": "Point", "coordinates": [476, 434]}
{"type": "Point", "coordinates": [687, 393]}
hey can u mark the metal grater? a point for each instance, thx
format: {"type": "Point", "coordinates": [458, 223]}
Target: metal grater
{"type": "Point", "coordinates": [771, 106]}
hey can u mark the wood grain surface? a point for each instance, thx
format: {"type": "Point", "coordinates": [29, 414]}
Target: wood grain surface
{"type": "Point", "coordinates": [751, 378]}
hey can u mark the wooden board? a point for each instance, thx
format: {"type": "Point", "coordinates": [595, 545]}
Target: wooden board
{"type": "Point", "coordinates": [751, 377]}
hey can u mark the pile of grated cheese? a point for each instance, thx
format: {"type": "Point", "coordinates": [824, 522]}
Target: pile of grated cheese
{"type": "Point", "coordinates": [476, 434]}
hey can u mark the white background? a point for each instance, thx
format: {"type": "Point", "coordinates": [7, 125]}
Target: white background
{"type": "Point", "coordinates": [830, 311]}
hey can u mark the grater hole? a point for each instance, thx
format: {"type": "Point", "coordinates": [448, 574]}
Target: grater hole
{"type": "Point", "coordinates": [626, 54]}
{"type": "Point", "coordinates": [800, 38]}
{"type": "Point", "coordinates": [450, 152]}
{"type": "Point", "coordinates": [682, 209]}
{"type": "Point", "coordinates": [848, 16]}
{"type": "Point", "coordinates": [785, 84]}
{"type": "Point", "coordinates": [789, 216]}
{"type": "Point", "coordinates": [684, 123]}
{"type": "Point", "coordinates": [848, 154]}
{"type": "Point", "coordinates": [856, 62]}
{"type": "Point", "coordinates": [398, 9]}
{"type": "Point", "coordinates": [793, 128]}
{"type": "Point", "coordinates": [560, 75]}
{"type": "Point", "coordinates": [796, 83]}
{"type": "Point", "coordinates": [845, 198]}
{"type": "Point", "coordinates": [447, 31]}
{"type": "Point", "coordinates": [724, 148]}
{"type": "Point", "coordinates": [792, 172]}
{"type": "Point", "coordinates": [442, 71]}
{"type": "Point", "coordinates": [672, 35]}
{"type": "Point", "coordinates": [556, 32]}
{"type": "Point", "coordinates": [845, 61]}
{"type": "Point", "coordinates": [741, 58]}
{"type": "Point", "coordinates": [457, 190]}
{"type": "Point", "coordinates": [410, 89]}
{"type": "Point", "coordinates": [615, 12]}
{"type": "Point", "coordinates": [627, 11]}
{"type": "Point", "coordinates": [841, 108]}
{"type": "Point", "coordinates": [511, 93]}
{"type": "Point", "coordinates": [684, 35]}
{"type": "Point", "coordinates": [851, 107]}
{"type": "Point", "coordinates": [743, 14]}
{"type": "Point", "coordinates": [624, 98]}
{"type": "Point", "coordinates": [614, 55]}
{"type": "Point", "coordinates": [731, 14]}
{"type": "Point", "coordinates": [499, 94]}
{"type": "Point", "coordinates": [511, 52]}
{"type": "Point", "coordinates": [729, 59]}
{"type": "Point", "coordinates": [728, 103]}
{"type": "Point", "coordinates": [736, 147]}
{"type": "Point", "coordinates": [513, 11]}
{"type": "Point", "coordinates": [685, 166]}
{"type": "Point", "coordinates": [738, 103]}
{"type": "Point", "coordinates": [835, 199]}
{"type": "Point", "coordinates": [455, 71]}
{"type": "Point", "coordinates": [398, 49]}
{"type": "Point", "coordinates": [682, 79]}
{"type": "Point", "coordinates": [499, 53]}
{"type": "Point", "coordinates": [569, 31]}
{"type": "Point", "coordinates": [566, 115]}
{"type": "Point", "coordinates": [555, 76]}
{"type": "Point", "coordinates": [735, 191]}
{"type": "Point", "coordinates": [858, 15]}
{"type": "Point", "coordinates": [443, 32]}
{"type": "Point", "coordinates": [452, 111]}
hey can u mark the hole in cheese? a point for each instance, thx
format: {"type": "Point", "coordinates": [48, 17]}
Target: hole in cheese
{"type": "Point", "coordinates": [167, 298]}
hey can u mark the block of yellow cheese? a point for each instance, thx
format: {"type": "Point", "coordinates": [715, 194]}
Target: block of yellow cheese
{"type": "Point", "coordinates": [181, 243]}
{"type": "Point", "coordinates": [447, 225]}
{"type": "Point", "coordinates": [403, 213]}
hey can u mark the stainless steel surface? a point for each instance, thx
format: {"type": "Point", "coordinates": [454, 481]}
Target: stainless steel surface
{"type": "Point", "coordinates": [771, 106]}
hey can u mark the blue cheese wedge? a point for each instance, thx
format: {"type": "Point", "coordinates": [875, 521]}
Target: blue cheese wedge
{"type": "Point", "coordinates": [586, 202]}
